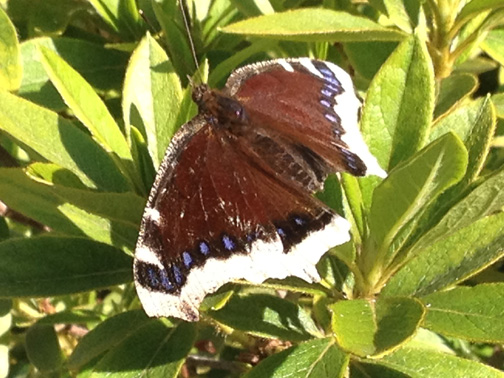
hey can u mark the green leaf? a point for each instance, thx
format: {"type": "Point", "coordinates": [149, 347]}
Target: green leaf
{"type": "Point", "coordinates": [319, 358]}
{"type": "Point", "coordinates": [153, 89]}
{"type": "Point", "coordinates": [451, 259]}
{"type": "Point", "coordinates": [473, 313]}
{"type": "Point", "coordinates": [51, 17]}
{"type": "Point", "coordinates": [102, 67]}
{"type": "Point", "coordinates": [60, 141]}
{"type": "Point", "coordinates": [493, 45]}
{"type": "Point", "coordinates": [474, 7]}
{"type": "Point", "coordinates": [364, 370]}
{"type": "Point", "coordinates": [486, 199]}
{"type": "Point", "coordinates": [49, 173]}
{"type": "Point", "coordinates": [153, 349]}
{"type": "Point", "coordinates": [424, 363]}
{"type": "Point", "coordinates": [5, 326]}
{"type": "Point", "coordinates": [267, 316]}
{"type": "Point", "coordinates": [398, 110]}
{"type": "Point", "coordinates": [122, 16]}
{"type": "Point", "coordinates": [373, 327]}
{"type": "Point", "coordinates": [454, 89]}
{"type": "Point", "coordinates": [11, 70]}
{"type": "Point", "coordinates": [106, 336]}
{"type": "Point", "coordinates": [498, 101]}
{"type": "Point", "coordinates": [253, 8]}
{"type": "Point", "coordinates": [222, 70]}
{"type": "Point", "coordinates": [85, 103]}
{"type": "Point", "coordinates": [314, 24]}
{"type": "Point", "coordinates": [42, 347]}
{"type": "Point", "coordinates": [399, 104]}
{"type": "Point", "coordinates": [4, 229]}
{"type": "Point", "coordinates": [477, 65]}
{"type": "Point", "coordinates": [475, 125]}
{"type": "Point", "coordinates": [49, 266]}
{"type": "Point", "coordinates": [406, 193]}
{"type": "Point", "coordinates": [367, 57]}
{"type": "Point", "coordinates": [399, 13]}
{"type": "Point", "coordinates": [175, 34]}
{"type": "Point", "coordinates": [111, 218]}
{"type": "Point", "coordinates": [73, 316]}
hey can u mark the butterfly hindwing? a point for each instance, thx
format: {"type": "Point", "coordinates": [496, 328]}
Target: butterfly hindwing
{"type": "Point", "coordinates": [215, 218]}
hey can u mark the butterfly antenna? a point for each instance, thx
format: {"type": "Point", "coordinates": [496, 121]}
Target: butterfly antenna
{"type": "Point", "coordinates": [189, 37]}
{"type": "Point", "coordinates": [147, 22]}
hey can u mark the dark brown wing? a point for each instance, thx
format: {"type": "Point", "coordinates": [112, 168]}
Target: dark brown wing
{"type": "Point", "coordinates": [213, 217]}
{"type": "Point", "coordinates": [311, 103]}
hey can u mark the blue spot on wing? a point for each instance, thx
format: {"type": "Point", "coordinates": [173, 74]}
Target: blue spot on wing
{"type": "Point", "coordinates": [299, 221]}
{"type": "Point", "coordinates": [177, 274]}
{"type": "Point", "coordinates": [165, 280]}
{"type": "Point", "coordinates": [229, 244]}
{"type": "Point", "coordinates": [158, 278]}
{"type": "Point", "coordinates": [204, 248]}
{"type": "Point", "coordinates": [187, 259]}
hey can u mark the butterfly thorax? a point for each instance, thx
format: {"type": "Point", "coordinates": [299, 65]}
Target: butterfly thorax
{"type": "Point", "coordinates": [218, 109]}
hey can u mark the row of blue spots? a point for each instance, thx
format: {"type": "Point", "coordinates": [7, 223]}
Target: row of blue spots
{"type": "Point", "coordinates": [331, 82]}
{"type": "Point", "coordinates": [330, 89]}
{"type": "Point", "coordinates": [352, 160]}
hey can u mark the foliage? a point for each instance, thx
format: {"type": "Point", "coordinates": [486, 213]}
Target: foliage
{"type": "Point", "coordinates": [90, 99]}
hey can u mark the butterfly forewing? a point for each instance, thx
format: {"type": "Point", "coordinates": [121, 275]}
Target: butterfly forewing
{"type": "Point", "coordinates": [313, 102]}
{"type": "Point", "coordinates": [217, 219]}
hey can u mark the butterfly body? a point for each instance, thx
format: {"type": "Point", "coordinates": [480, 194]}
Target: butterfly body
{"type": "Point", "coordinates": [232, 198]}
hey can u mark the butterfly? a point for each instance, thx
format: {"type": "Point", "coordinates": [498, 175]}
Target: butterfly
{"type": "Point", "coordinates": [233, 196]}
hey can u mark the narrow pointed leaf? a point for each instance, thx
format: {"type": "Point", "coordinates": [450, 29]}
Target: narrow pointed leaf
{"type": "Point", "coordinates": [152, 89]}
{"type": "Point", "coordinates": [112, 218]}
{"type": "Point", "coordinates": [407, 191]}
{"type": "Point", "coordinates": [454, 89]}
{"type": "Point", "coordinates": [85, 104]}
{"type": "Point", "coordinates": [452, 259]}
{"type": "Point", "coordinates": [49, 266]}
{"type": "Point", "coordinates": [471, 313]}
{"type": "Point", "coordinates": [122, 16]}
{"type": "Point", "coordinates": [493, 45]}
{"type": "Point", "coordinates": [106, 336]}
{"type": "Point", "coordinates": [424, 363]}
{"type": "Point", "coordinates": [486, 199]}
{"type": "Point", "coordinates": [314, 24]}
{"type": "Point", "coordinates": [61, 142]}
{"type": "Point", "coordinates": [10, 58]}
{"type": "Point", "coordinates": [170, 18]}
{"type": "Point", "coordinates": [398, 109]}
{"type": "Point", "coordinates": [100, 66]}
{"type": "Point", "coordinates": [474, 7]}
{"type": "Point", "coordinates": [475, 125]}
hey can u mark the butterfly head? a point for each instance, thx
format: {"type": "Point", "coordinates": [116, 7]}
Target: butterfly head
{"type": "Point", "coordinates": [220, 110]}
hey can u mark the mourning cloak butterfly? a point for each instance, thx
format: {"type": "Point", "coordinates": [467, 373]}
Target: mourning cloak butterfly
{"type": "Point", "coordinates": [232, 198]}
